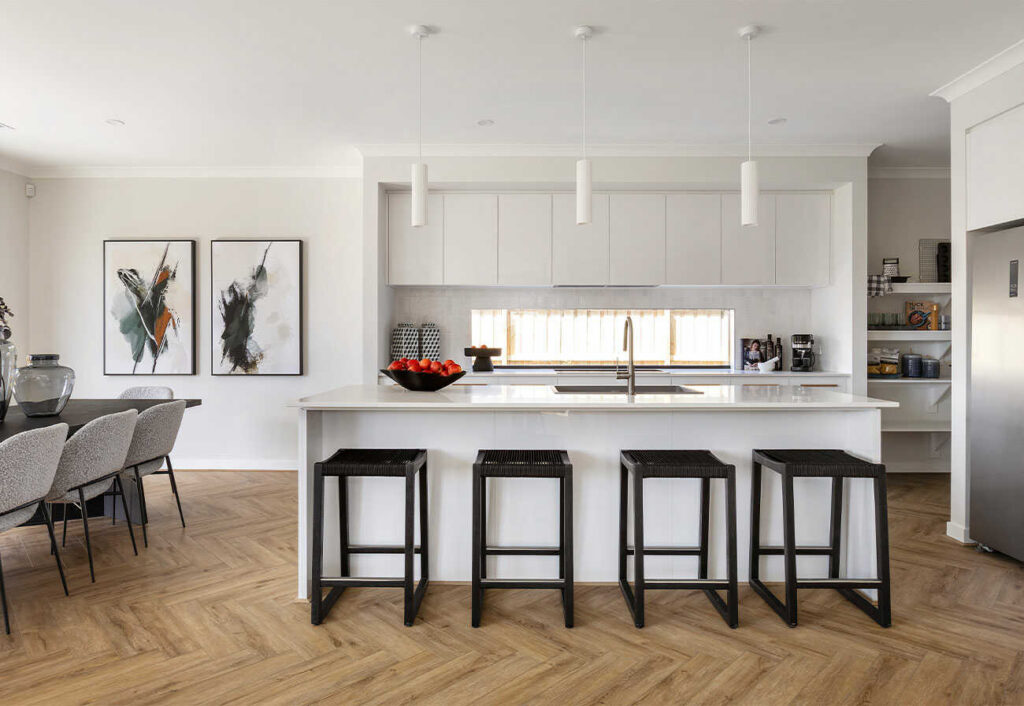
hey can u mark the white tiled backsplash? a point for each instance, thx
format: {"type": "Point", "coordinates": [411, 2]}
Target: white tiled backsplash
{"type": "Point", "coordinates": [759, 311]}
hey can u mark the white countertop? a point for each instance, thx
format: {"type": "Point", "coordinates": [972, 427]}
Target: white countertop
{"type": "Point", "coordinates": [673, 372]}
{"type": "Point", "coordinates": [729, 398]}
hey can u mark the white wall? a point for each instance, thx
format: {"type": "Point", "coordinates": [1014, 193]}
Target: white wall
{"type": "Point", "coordinates": [900, 213]}
{"type": "Point", "coordinates": [14, 256]}
{"type": "Point", "coordinates": [244, 421]}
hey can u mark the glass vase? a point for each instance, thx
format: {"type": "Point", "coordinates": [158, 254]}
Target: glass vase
{"type": "Point", "coordinates": [43, 387]}
{"type": "Point", "coordinates": [8, 363]}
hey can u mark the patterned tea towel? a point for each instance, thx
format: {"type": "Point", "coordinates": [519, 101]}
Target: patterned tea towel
{"type": "Point", "coordinates": [879, 285]}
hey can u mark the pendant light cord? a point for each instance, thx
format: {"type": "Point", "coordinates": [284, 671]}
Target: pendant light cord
{"type": "Point", "coordinates": [419, 96]}
{"type": "Point", "coordinates": [749, 102]}
{"type": "Point", "coordinates": [584, 98]}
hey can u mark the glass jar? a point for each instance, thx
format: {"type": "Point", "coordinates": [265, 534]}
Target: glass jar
{"type": "Point", "coordinates": [42, 388]}
{"type": "Point", "coordinates": [8, 363]}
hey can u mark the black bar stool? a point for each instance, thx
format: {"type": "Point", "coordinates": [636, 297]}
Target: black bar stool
{"type": "Point", "coordinates": [819, 463]}
{"type": "Point", "coordinates": [522, 464]}
{"type": "Point", "coordinates": [677, 464]}
{"type": "Point", "coordinates": [346, 463]}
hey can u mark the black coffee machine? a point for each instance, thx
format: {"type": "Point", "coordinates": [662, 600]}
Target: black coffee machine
{"type": "Point", "coordinates": [803, 352]}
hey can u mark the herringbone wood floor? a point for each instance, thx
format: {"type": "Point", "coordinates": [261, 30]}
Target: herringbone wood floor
{"type": "Point", "coordinates": [206, 615]}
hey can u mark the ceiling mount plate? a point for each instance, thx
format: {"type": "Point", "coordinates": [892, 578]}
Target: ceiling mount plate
{"type": "Point", "coordinates": [420, 31]}
{"type": "Point", "coordinates": [583, 32]}
{"type": "Point", "coordinates": [749, 31]}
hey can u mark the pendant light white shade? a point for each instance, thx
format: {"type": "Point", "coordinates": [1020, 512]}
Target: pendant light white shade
{"type": "Point", "coordinates": [419, 194]}
{"type": "Point", "coordinates": [584, 192]}
{"type": "Point", "coordinates": [750, 192]}
{"type": "Point", "coordinates": [584, 183]}
{"type": "Point", "coordinates": [750, 188]}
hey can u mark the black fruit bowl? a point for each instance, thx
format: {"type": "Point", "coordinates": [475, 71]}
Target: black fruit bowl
{"type": "Point", "coordinates": [422, 382]}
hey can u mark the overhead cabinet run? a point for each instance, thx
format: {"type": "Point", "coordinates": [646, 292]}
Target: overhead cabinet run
{"type": "Point", "coordinates": [633, 239]}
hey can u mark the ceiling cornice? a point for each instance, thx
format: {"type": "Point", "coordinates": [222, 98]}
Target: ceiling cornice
{"type": "Point", "coordinates": [982, 73]}
{"type": "Point", "coordinates": [908, 173]}
{"type": "Point", "coordinates": [625, 150]}
{"type": "Point", "coordinates": [349, 171]}
{"type": "Point", "coordinates": [13, 166]}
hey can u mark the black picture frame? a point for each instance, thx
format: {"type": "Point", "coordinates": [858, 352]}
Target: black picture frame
{"type": "Point", "coordinates": [301, 300]}
{"type": "Point", "coordinates": [193, 309]}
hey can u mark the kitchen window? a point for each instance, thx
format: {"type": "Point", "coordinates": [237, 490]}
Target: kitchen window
{"type": "Point", "coordinates": [593, 337]}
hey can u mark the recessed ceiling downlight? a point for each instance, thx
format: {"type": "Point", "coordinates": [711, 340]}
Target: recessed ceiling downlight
{"type": "Point", "coordinates": [777, 121]}
{"type": "Point", "coordinates": [485, 122]}
{"type": "Point", "coordinates": [114, 122]}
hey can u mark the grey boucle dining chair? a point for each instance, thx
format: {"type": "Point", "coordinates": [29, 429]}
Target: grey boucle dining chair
{"type": "Point", "coordinates": [152, 443]}
{"type": "Point", "coordinates": [90, 464]}
{"type": "Point", "coordinates": [28, 463]}
{"type": "Point", "coordinates": [147, 392]}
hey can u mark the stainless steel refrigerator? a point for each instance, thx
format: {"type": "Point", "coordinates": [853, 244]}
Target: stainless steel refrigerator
{"type": "Point", "coordinates": [996, 407]}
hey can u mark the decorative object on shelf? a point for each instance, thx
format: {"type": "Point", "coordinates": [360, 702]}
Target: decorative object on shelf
{"type": "Point", "coordinates": [944, 322]}
{"type": "Point", "coordinates": [923, 316]}
{"type": "Point", "coordinates": [8, 359]}
{"type": "Point", "coordinates": [256, 307]}
{"type": "Point", "coordinates": [883, 363]}
{"type": "Point", "coordinates": [43, 387]}
{"type": "Point", "coordinates": [802, 359]}
{"type": "Point", "coordinates": [482, 358]}
{"type": "Point", "coordinates": [149, 307]}
{"type": "Point", "coordinates": [930, 367]}
{"type": "Point", "coordinates": [928, 259]}
{"type": "Point", "coordinates": [750, 190]}
{"type": "Point", "coordinates": [751, 353]}
{"type": "Point", "coordinates": [584, 183]}
{"type": "Point", "coordinates": [879, 285]}
{"type": "Point", "coordinates": [418, 208]}
{"type": "Point", "coordinates": [891, 267]}
{"type": "Point", "coordinates": [912, 365]}
{"type": "Point", "coordinates": [422, 382]}
{"type": "Point", "coordinates": [430, 341]}
{"type": "Point", "coordinates": [405, 341]}
{"type": "Point", "coordinates": [944, 261]}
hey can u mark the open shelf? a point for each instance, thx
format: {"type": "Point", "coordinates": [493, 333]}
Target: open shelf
{"type": "Point", "coordinates": [939, 425]}
{"type": "Point", "coordinates": [909, 381]}
{"type": "Point", "coordinates": [909, 335]}
{"type": "Point", "coordinates": [922, 288]}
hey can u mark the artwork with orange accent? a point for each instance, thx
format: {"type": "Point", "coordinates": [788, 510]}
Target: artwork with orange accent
{"type": "Point", "coordinates": [149, 307]}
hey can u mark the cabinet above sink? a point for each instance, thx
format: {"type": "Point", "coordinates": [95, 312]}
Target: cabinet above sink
{"type": "Point", "coordinates": [530, 239]}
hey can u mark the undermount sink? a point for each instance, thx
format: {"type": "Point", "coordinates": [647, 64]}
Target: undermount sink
{"type": "Point", "coordinates": [621, 389]}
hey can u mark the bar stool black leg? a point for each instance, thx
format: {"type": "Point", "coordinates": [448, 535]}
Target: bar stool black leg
{"type": "Point", "coordinates": [638, 549]}
{"type": "Point", "coordinates": [316, 597]}
{"type": "Point", "coordinates": [478, 521]}
{"type": "Point", "coordinates": [882, 551]}
{"type": "Point", "coordinates": [567, 549]}
{"type": "Point", "coordinates": [705, 519]}
{"type": "Point", "coordinates": [410, 551]}
{"type": "Point", "coordinates": [835, 527]}
{"type": "Point", "coordinates": [424, 529]}
{"type": "Point", "coordinates": [755, 523]}
{"type": "Point", "coordinates": [483, 527]}
{"type": "Point", "coordinates": [789, 547]}
{"type": "Point", "coordinates": [730, 518]}
{"type": "Point", "coordinates": [343, 541]}
{"type": "Point", "coordinates": [561, 533]}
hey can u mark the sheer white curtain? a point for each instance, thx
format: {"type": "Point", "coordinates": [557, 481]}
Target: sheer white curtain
{"type": "Point", "coordinates": [594, 336]}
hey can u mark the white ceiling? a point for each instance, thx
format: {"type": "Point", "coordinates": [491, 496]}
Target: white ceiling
{"type": "Point", "coordinates": [297, 83]}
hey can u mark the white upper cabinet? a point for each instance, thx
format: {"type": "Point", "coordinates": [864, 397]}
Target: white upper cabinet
{"type": "Point", "coordinates": [637, 244]}
{"type": "Point", "coordinates": [748, 252]}
{"type": "Point", "coordinates": [471, 239]}
{"type": "Point", "coordinates": [995, 170]}
{"type": "Point", "coordinates": [579, 253]}
{"type": "Point", "coordinates": [524, 239]}
{"type": "Point", "coordinates": [415, 255]}
{"type": "Point", "coordinates": [803, 231]}
{"type": "Point", "coordinates": [693, 234]}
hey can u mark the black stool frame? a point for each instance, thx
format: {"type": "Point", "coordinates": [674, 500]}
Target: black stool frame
{"type": "Point", "coordinates": [676, 464]}
{"type": "Point", "coordinates": [337, 466]}
{"type": "Point", "coordinates": [826, 463]}
{"type": "Point", "coordinates": [522, 464]}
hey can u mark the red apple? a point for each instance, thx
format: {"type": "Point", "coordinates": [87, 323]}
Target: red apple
{"type": "Point", "coordinates": [414, 366]}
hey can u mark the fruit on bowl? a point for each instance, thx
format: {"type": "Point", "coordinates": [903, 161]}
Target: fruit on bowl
{"type": "Point", "coordinates": [424, 375]}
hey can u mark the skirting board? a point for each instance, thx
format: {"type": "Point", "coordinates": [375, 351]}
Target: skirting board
{"type": "Point", "coordinates": [958, 532]}
{"type": "Point", "coordinates": [233, 464]}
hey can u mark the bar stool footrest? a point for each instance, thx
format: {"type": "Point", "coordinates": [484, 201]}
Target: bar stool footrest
{"type": "Point", "coordinates": [780, 551]}
{"type": "Point", "coordinates": [685, 584]}
{"type": "Point", "coordinates": [381, 549]}
{"type": "Point", "coordinates": [522, 551]}
{"type": "Point", "coordinates": [523, 583]}
{"type": "Point", "coordinates": [362, 582]}
{"type": "Point", "coordinates": [666, 551]}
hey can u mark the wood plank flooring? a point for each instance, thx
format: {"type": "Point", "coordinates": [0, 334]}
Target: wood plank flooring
{"type": "Point", "coordinates": [206, 615]}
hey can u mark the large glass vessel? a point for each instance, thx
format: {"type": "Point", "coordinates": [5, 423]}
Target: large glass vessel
{"type": "Point", "coordinates": [43, 388]}
{"type": "Point", "coordinates": [8, 363]}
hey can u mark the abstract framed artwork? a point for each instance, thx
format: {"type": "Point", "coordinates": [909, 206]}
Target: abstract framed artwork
{"type": "Point", "coordinates": [256, 312]}
{"type": "Point", "coordinates": [149, 307]}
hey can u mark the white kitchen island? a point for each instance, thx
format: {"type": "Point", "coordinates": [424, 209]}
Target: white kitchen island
{"type": "Point", "coordinates": [453, 424]}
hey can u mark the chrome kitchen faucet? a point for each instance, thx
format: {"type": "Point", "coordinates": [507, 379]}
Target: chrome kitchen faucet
{"type": "Point", "coordinates": [627, 345]}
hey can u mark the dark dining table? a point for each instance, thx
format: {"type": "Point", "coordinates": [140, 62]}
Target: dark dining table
{"type": "Point", "coordinates": [76, 415]}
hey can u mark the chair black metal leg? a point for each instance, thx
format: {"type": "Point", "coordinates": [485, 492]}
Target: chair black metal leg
{"type": "Point", "coordinates": [343, 540]}
{"type": "Point", "coordinates": [567, 550]}
{"type": "Point", "coordinates": [882, 551]}
{"type": "Point", "coordinates": [64, 515]}
{"type": "Point", "coordinates": [424, 527]}
{"type": "Point", "coordinates": [789, 546]}
{"type": "Point", "coordinates": [835, 527]}
{"type": "Point", "coordinates": [3, 601]}
{"type": "Point", "coordinates": [638, 550]}
{"type": "Point", "coordinates": [705, 522]}
{"type": "Point", "coordinates": [478, 520]}
{"type": "Point", "coordinates": [316, 594]}
{"type": "Point", "coordinates": [85, 527]}
{"type": "Point", "coordinates": [410, 541]}
{"type": "Point", "coordinates": [127, 517]}
{"type": "Point", "coordinates": [142, 507]}
{"type": "Point", "coordinates": [730, 518]}
{"type": "Point", "coordinates": [53, 545]}
{"type": "Point", "coordinates": [174, 487]}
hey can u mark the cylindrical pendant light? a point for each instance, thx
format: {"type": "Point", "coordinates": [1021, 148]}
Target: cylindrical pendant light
{"type": "Point", "coordinates": [584, 183]}
{"type": "Point", "coordinates": [750, 189]}
{"type": "Point", "coordinates": [418, 177]}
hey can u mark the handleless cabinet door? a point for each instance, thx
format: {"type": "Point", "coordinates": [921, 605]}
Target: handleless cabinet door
{"type": "Point", "coordinates": [748, 252]}
{"type": "Point", "coordinates": [579, 253]}
{"type": "Point", "coordinates": [415, 255]}
{"type": "Point", "coordinates": [693, 233]}
{"type": "Point", "coordinates": [995, 170]}
{"type": "Point", "coordinates": [637, 227]}
{"type": "Point", "coordinates": [524, 239]}
{"type": "Point", "coordinates": [803, 232]}
{"type": "Point", "coordinates": [471, 239]}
